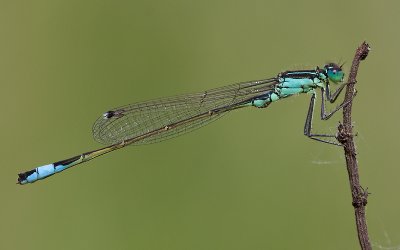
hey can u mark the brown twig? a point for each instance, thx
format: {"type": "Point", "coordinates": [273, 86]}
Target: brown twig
{"type": "Point", "coordinates": [345, 137]}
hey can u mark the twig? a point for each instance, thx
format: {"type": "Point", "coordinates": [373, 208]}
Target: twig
{"type": "Point", "coordinates": [345, 137]}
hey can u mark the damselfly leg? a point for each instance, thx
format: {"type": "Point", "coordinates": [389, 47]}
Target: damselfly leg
{"type": "Point", "coordinates": [324, 116]}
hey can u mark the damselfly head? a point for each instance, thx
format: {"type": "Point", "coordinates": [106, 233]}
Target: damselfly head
{"type": "Point", "coordinates": [334, 72]}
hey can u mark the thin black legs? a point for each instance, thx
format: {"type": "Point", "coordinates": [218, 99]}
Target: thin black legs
{"type": "Point", "coordinates": [324, 116]}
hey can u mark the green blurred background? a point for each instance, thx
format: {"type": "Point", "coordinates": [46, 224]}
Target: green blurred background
{"type": "Point", "coordinates": [248, 181]}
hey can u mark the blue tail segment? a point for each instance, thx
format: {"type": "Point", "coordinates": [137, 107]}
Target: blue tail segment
{"type": "Point", "coordinates": [45, 171]}
{"type": "Point", "coordinates": [39, 173]}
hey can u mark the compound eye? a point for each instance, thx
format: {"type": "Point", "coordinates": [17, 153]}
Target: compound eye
{"type": "Point", "coordinates": [334, 72]}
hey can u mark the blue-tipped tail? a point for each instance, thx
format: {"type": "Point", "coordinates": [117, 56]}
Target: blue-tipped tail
{"type": "Point", "coordinates": [39, 173]}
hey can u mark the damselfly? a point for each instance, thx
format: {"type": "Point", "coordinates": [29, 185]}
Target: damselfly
{"type": "Point", "coordinates": [164, 118]}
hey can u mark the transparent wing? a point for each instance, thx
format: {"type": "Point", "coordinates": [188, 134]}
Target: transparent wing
{"type": "Point", "coordinates": [145, 118]}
